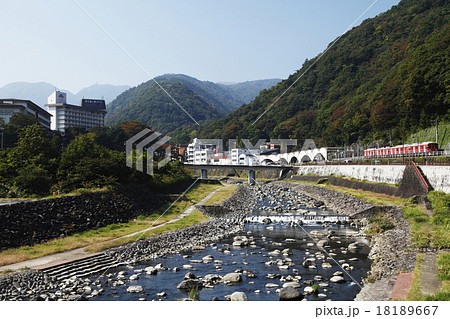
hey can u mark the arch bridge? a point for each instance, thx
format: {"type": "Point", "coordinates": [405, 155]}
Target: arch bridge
{"type": "Point", "coordinates": [303, 156]}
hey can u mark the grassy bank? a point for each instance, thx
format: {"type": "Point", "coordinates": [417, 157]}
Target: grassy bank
{"type": "Point", "coordinates": [110, 232]}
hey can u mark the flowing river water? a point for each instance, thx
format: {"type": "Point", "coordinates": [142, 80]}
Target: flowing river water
{"type": "Point", "coordinates": [274, 255]}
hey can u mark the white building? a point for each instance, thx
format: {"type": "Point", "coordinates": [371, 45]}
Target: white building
{"type": "Point", "coordinates": [91, 112]}
{"type": "Point", "coordinates": [219, 159]}
{"type": "Point", "coordinates": [199, 153]}
{"type": "Point", "coordinates": [8, 107]}
{"type": "Point", "coordinates": [241, 156]}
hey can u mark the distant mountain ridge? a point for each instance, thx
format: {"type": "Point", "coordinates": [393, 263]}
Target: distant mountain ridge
{"type": "Point", "coordinates": [203, 100]}
{"type": "Point", "coordinates": [38, 92]}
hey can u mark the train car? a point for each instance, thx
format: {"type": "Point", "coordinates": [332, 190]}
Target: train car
{"type": "Point", "coordinates": [426, 148]}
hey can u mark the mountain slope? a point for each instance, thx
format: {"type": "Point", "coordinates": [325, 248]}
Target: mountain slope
{"type": "Point", "coordinates": [149, 104]}
{"type": "Point", "coordinates": [216, 100]}
{"type": "Point", "coordinates": [247, 91]}
{"type": "Point", "coordinates": [388, 76]}
{"type": "Point", "coordinates": [105, 92]}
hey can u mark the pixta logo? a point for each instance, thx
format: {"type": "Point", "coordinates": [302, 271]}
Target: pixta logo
{"type": "Point", "coordinates": [151, 141]}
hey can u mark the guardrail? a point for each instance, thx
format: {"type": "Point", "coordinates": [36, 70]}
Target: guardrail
{"type": "Point", "coordinates": [376, 162]}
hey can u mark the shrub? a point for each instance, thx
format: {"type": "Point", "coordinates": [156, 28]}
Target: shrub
{"type": "Point", "coordinates": [33, 180]}
{"type": "Point", "coordinates": [379, 225]}
{"type": "Point", "coordinates": [440, 202]}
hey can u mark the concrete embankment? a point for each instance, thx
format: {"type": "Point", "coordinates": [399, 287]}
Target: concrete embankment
{"type": "Point", "coordinates": [438, 176]}
{"type": "Point", "coordinates": [343, 182]}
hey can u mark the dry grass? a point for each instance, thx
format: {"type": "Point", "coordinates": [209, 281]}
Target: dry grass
{"type": "Point", "coordinates": [221, 195]}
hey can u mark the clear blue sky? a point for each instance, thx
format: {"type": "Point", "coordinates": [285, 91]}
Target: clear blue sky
{"type": "Point", "coordinates": [220, 41]}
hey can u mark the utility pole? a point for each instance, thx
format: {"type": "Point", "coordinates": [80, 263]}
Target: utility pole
{"type": "Point", "coordinates": [390, 137]}
{"type": "Point", "coordinates": [436, 122]}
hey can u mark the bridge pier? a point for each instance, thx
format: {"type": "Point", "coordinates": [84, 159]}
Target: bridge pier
{"type": "Point", "coordinates": [251, 177]}
{"type": "Point", "coordinates": [204, 174]}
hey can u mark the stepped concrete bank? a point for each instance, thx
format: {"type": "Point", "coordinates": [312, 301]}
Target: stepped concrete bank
{"type": "Point", "coordinates": [438, 176]}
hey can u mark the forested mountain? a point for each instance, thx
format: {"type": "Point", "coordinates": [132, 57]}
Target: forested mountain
{"type": "Point", "coordinates": [388, 76]}
{"type": "Point", "coordinates": [148, 104]}
{"type": "Point", "coordinates": [203, 100]}
{"type": "Point", "coordinates": [248, 90]}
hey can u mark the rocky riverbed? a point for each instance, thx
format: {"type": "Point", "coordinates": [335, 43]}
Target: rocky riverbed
{"type": "Point", "coordinates": [258, 263]}
{"type": "Point", "coordinates": [306, 276]}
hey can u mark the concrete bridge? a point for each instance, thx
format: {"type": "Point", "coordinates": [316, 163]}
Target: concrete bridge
{"type": "Point", "coordinates": [310, 155]}
{"type": "Point", "coordinates": [252, 169]}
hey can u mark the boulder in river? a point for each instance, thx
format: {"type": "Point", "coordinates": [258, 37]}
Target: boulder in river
{"type": "Point", "coordinates": [135, 289]}
{"type": "Point", "coordinates": [292, 284]}
{"type": "Point", "coordinates": [289, 293]}
{"type": "Point", "coordinates": [189, 284]}
{"type": "Point", "coordinates": [237, 296]}
{"type": "Point", "coordinates": [232, 277]}
{"type": "Point", "coordinates": [337, 279]}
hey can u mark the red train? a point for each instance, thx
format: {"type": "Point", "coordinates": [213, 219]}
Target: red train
{"type": "Point", "coordinates": [425, 148]}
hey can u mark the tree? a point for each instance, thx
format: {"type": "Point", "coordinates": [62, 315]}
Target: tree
{"type": "Point", "coordinates": [131, 128]}
{"type": "Point", "coordinates": [33, 180]}
{"type": "Point", "coordinates": [84, 164]}
{"type": "Point", "coordinates": [33, 148]}
{"type": "Point", "coordinates": [19, 120]}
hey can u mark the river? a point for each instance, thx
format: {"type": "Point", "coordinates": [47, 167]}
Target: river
{"type": "Point", "coordinates": [257, 257]}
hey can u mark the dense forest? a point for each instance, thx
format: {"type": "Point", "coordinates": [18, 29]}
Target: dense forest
{"type": "Point", "coordinates": [384, 79]}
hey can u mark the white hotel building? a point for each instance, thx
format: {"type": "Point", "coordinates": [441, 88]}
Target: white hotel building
{"type": "Point", "coordinates": [91, 112]}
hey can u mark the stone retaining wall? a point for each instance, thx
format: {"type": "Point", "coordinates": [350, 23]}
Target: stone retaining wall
{"type": "Point", "coordinates": [392, 252]}
{"type": "Point", "coordinates": [33, 222]}
{"type": "Point", "coordinates": [339, 202]}
{"type": "Point", "coordinates": [238, 203]}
